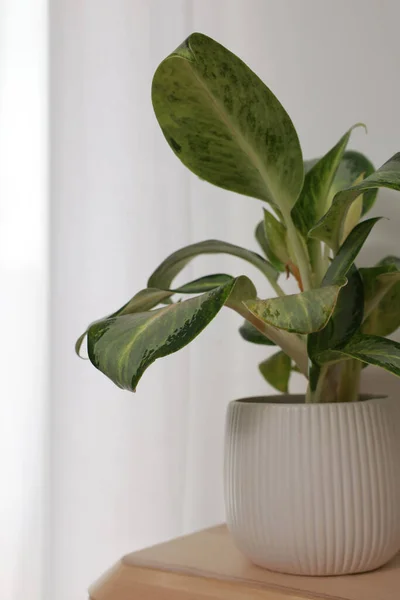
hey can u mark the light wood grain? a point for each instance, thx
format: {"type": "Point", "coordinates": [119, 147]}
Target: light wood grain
{"type": "Point", "coordinates": [207, 566]}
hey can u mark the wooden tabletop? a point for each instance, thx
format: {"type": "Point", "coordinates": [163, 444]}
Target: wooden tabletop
{"type": "Point", "coordinates": [207, 566]}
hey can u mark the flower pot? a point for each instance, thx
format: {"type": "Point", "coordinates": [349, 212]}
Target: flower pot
{"type": "Point", "coordinates": [314, 489]}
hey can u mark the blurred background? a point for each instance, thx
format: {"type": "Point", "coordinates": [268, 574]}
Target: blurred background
{"type": "Point", "coordinates": [91, 200]}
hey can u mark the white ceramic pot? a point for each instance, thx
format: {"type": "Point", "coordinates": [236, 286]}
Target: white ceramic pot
{"type": "Point", "coordinates": [314, 489]}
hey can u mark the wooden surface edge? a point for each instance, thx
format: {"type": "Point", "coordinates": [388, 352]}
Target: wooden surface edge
{"type": "Point", "coordinates": [122, 581]}
{"type": "Point", "coordinates": [206, 565]}
{"type": "Point", "coordinates": [109, 576]}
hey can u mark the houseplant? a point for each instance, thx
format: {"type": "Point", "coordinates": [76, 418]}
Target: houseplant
{"type": "Point", "coordinates": [312, 483]}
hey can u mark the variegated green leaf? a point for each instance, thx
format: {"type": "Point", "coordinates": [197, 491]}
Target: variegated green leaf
{"type": "Point", "coordinates": [349, 310]}
{"type": "Point", "coordinates": [204, 284]}
{"type": "Point", "coordinates": [315, 196]}
{"type": "Point", "coordinates": [345, 321]}
{"type": "Point", "coordinates": [125, 345]}
{"type": "Point", "coordinates": [348, 251]}
{"type": "Point", "coordinates": [141, 302]}
{"type": "Point", "coordinates": [352, 218]}
{"type": "Point", "coordinates": [276, 371]}
{"type": "Point", "coordinates": [290, 343]}
{"type": "Point", "coordinates": [276, 235]}
{"type": "Point", "coordinates": [253, 335]}
{"type": "Point", "coordinates": [352, 166]}
{"type": "Point", "coordinates": [355, 166]}
{"type": "Point", "coordinates": [298, 313]}
{"type": "Point", "coordinates": [374, 350]}
{"type": "Point", "coordinates": [164, 275]}
{"type": "Point", "coordinates": [150, 297]}
{"type": "Point", "coordinates": [266, 248]}
{"type": "Point", "coordinates": [382, 297]}
{"type": "Point", "coordinates": [330, 228]}
{"type": "Point", "coordinates": [225, 125]}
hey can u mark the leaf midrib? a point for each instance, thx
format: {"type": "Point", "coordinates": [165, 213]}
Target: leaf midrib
{"type": "Point", "coordinates": [139, 332]}
{"type": "Point", "coordinates": [242, 142]}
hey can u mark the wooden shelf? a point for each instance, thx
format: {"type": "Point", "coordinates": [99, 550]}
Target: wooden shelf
{"type": "Point", "coordinates": [207, 566]}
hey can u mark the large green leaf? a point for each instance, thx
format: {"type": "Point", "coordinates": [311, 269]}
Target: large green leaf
{"type": "Point", "coordinates": [298, 313]}
{"type": "Point", "coordinates": [374, 350]}
{"type": "Point", "coordinates": [315, 196]}
{"type": "Point", "coordinates": [225, 125]}
{"type": "Point", "coordinates": [253, 335]}
{"type": "Point", "coordinates": [150, 297]}
{"type": "Point", "coordinates": [345, 321]}
{"type": "Point", "coordinates": [164, 275]}
{"type": "Point", "coordinates": [276, 371]}
{"type": "Point", "coordinates": [123, 346]}
{"type": "Point", "coordinates": [142, 301]}
{"type": "Point", "coordinates": [330, 228]}
{"type": "Point", "coordinates": [382, 297]}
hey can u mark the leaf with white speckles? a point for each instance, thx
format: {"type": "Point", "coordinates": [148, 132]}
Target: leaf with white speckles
{"type": "Point", "coordinates": [298, 313]}
{"type": "Point", "coordinates": [382, 297]}
{"type": "Point", "coordinates": [225, 125]}
{"type": "Point", "coordinates": [330, 228]}
{"type": "Point", "coordinates": [315, 196]}
{"type": "Point", "coordinates": [374, 350]}
{"type": "Point", "coordinates": [123, 346]}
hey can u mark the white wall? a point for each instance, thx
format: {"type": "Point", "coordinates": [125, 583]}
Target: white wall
{"type": "Point", "coordinates": [128, 471]}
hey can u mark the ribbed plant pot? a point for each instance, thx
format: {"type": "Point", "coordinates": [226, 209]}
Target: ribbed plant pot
{"type": "Point", "coordinates": [314, 489]}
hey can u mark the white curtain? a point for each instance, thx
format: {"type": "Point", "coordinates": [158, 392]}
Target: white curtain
{"type": "Point", "coordinates": [91, 472]}
{"type": "Point", "coordinates": [24, 355]}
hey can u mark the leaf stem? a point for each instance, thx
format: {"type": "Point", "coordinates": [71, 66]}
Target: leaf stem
{"type": "Point", "coordinates": [317, 261]}
{"type": "Point", "coordinates": [290, 343]}
{"type": "Point", "coordinates": [277, 288]}
{"type": "Point", "coordinates": [325, 388]}
{"type": "Point", "coordinates": [299, 251]}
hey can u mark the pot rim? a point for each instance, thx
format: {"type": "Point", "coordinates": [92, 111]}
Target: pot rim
{"type": "Point", "coordinates": [298, 401]}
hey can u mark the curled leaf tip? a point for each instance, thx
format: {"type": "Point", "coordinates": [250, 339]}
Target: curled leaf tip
{"type": "Point", "coordinates": [363, 125]}
{"type": "Point", "coordinates": [78, 346]}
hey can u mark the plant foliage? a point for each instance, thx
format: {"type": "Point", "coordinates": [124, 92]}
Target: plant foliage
{"type": "Point", "coordinates": [229, 129]}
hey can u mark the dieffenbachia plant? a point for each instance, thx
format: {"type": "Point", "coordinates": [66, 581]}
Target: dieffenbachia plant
{"type": "Point", "coordinates": [229, 129]}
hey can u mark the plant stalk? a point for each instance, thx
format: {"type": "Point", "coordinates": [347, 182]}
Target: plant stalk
{"type": "Point", "coordinates": [325, 390]}
{"type": "Point", "coordinates": [317, 261]}
{"type": "Point", "coordinates": [299, 251]}
{"type": "Point", "coordinates": [277, 288]}
{"type": "Point", "coordinates": [349, 385]}
{"type": "Point", "coordinates": [290, 343]}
